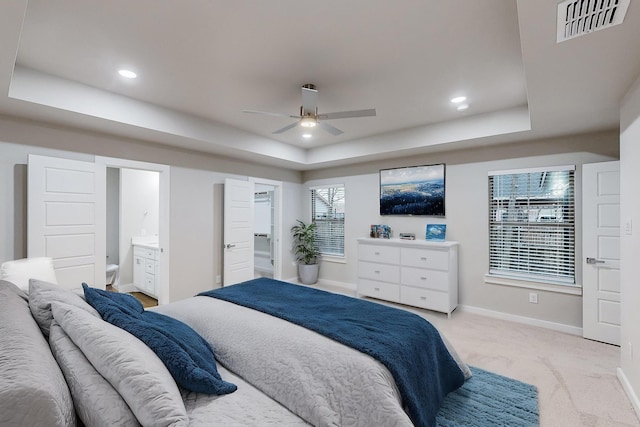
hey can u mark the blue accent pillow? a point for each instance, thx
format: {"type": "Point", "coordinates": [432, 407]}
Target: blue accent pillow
{"type": "Point", "coordinates": [187, 356]}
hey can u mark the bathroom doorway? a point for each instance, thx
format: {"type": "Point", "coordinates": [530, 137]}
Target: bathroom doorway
{"type": "Point", "coordinates": [137, 226]}
{"type": "Point", "coordinates": [133, 230]}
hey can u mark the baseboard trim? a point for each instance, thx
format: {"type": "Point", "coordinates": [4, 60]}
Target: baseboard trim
{"type": "Point", "coordinates": [330, 283]}
{"type": "Point", "coordinates": [334, 283]}
{"type": "Point", "coordinates": [567, 329]}
{"type": "Point", "coordinates": [628, 389]}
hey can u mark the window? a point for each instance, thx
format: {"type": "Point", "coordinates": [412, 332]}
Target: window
{"type": "Point", "coordinates": [327, 212]}
{"type": "Point", "coordinates": [532, 225]}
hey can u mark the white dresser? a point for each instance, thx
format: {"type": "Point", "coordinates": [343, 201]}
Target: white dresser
{"type": "Point", "coordinates": [145, 269]}
{"type": "Point", "coordinates": [419, 273]}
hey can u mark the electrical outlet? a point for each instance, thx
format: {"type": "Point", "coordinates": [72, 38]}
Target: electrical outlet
{"type": "Point", "coordinates": [218, 279]}
{"type": "Point", "coordinates": [628, 227]}
{"type": "Point", "coordinates": [533, 298]}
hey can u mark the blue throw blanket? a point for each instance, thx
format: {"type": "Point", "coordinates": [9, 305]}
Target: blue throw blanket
{"type": "Point", "coordinates": [408, 345]}
{"type": "Point", "coordinates": [187, 356]}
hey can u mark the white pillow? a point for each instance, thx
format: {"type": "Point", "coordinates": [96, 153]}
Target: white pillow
{"type": "Point", "coordinates": [20, 271]}
{"type": "Point", "coordinates": [131, 367]}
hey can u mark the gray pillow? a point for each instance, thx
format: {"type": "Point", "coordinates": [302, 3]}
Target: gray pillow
{"type": "Point", "coordinates": [131, 367]}
{"type": "Point", "coordinates": [32, 388]}
{"type": "Point", "coordinates": [97, 403]}
{"type": "Point", "coordinates": [42, 294]}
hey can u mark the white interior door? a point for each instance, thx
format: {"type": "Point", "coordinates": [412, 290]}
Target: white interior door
{"type": "Point", "coordinates": [67, 217]}
{"type": "Point", "coordinates": [601, 251]}
{"type": "Point", "coordinates": [238, 231]}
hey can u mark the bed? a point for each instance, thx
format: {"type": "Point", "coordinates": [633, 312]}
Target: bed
{"type": "Point", "coordinates": [99, 374]}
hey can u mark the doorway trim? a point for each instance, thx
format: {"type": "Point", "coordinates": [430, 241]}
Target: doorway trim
{"type": "Point", "coordinates": [163, 217]}
{"type": "Point", "coordinates": [277, 267]}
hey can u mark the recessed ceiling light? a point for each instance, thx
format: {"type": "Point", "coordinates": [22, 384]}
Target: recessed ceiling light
{"type": "Point", "coordinates": [306, 135]}
{"type": "Point", "coordinates": [458, 99]}
{"type": "Point", "coordinates": [127, 73]}
{"type": "Point", "coordinates": [462, 107]}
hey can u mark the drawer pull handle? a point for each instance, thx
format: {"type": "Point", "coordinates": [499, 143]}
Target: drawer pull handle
{"type": "Point", "coordinates": [423, 278]}
{"type": "Point", "coordinates": [377, 271]}
{"type": "Point", "coordinates": [423, 298]}
{"type": "Point", "coordinates": [377, 289]}
{"type": "Point", "coordinates": [423, 258]}
{"type": "Point", "coordinates": [376, 253]}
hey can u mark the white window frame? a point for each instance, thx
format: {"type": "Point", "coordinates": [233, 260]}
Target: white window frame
{"type": "Point", "coordinates": [329, 256]}
{"type": "Point", "coordinates": [560, 283]}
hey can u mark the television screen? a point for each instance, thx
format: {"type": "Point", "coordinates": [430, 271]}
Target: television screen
{"type": "Point", "coordinates": [413, 190]}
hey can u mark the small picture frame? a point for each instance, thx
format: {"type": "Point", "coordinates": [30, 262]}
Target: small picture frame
{"type": "Point", "coordinates": [380, 231]}
{"type": "Point", "coordinates": [436, 232]}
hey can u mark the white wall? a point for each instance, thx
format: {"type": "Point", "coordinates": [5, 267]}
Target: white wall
{"type": "Point", "coordinates": [630, 244]}
{"type": "Point", "coordinates": [195, 196]}
{"type": "Point", "coordinates": [113, 215]}
{"type": "Point", "coordinates": [466, 216]}
{"type": "Point", "coordinates": [139, 213]}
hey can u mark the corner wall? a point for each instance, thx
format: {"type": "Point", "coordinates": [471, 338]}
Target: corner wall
{"type": "Point", "coordinates": [629, 372]}
{"type": "Point", "coordinates": [467, 217]}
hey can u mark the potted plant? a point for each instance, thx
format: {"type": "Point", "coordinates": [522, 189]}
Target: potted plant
{"type": "Point", "coordinates": [306, 250]}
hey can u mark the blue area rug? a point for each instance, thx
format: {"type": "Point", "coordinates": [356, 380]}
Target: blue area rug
{"type": "Point", "coordinates": [489, 399]}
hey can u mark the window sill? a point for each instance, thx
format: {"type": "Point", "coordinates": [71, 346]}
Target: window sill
{"type": "Point", "coordinates": [541, 286]}
{"type": "Point", "coordinates": [335, 259]}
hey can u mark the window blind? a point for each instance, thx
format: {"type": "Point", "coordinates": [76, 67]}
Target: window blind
{"type": "Point", "coordinates": [327, 212]}
{"type": "Point", "coordinates": [532, 225]}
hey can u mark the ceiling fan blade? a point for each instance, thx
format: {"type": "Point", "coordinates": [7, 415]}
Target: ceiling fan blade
{"type": "Point", "coordinates": [286, 128]}
{"type": "Point", "coordinates": [309, 100]}
{"type": "Point", "coordinates": [331, 129]}
{"type": "Point", "coordinates": [348, 114]}
{"type": "Point", "coordinates": [270, 114]}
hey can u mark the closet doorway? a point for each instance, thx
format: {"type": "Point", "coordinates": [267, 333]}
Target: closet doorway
{"type": "Point", "coordinates": [267, 232]}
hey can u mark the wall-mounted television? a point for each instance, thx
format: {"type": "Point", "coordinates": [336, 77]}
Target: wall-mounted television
{"type": "Point", "coordinates": [412, 190]}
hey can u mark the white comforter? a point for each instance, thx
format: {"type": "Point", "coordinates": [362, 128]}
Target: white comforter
{"type": "Point", "coordinates": [323, 382]}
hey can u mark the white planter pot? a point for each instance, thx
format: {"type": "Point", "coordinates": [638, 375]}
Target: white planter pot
{"type": "Point", "coordinates": [308, 273]}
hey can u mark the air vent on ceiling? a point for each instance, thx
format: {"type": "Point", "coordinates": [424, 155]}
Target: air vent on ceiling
{"type": "Point", "coordinates": [579, 17]}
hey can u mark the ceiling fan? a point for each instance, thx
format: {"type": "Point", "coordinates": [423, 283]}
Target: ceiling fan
{"type": "Point", "coordinates": [309, 116]}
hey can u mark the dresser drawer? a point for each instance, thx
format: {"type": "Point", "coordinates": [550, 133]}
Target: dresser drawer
{"type": "Point", "coordinates": [381, 272]}
{"type": "Point", "coordinates": [385, 254]}
{"type": "Point", "coordinates": [425, 258]}
{"type": "Point", "coordinates": [425, 298]}
{"type": "Point", "coordinates": [423, 278]}
{"type": "Point", "coordinates": [385, 291]}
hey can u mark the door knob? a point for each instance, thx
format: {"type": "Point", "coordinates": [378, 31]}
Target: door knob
{"type": "Point", "coordinates": [594, 261]}
{"type": "Point", "coordinates": [229, 246]}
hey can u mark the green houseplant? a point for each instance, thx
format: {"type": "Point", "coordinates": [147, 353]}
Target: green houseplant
{"type": "Point", "coordinates": [305, 245]}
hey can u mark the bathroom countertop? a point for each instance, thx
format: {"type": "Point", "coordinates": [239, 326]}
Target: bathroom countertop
{"type": "Point", "coordinates": [149, 242]}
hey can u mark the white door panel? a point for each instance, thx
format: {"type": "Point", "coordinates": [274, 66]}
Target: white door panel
{"type": "Point", "coordinates": [238, 248]}
{"type": "Point", "coordinates": [601, 251]}
{"type": "Point", "coordinates": [66, 218]}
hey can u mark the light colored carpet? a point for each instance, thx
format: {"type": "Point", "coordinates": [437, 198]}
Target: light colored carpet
{"type": "Point", "coordinates": [575, 377]}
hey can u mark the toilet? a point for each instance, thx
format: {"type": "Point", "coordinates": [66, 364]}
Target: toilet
{"type": "Point", "coordinates": [112, 275]}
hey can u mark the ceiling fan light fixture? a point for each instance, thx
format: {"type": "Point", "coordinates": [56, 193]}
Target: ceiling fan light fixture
{"type": "Point", "coordinates": [308, 122]}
